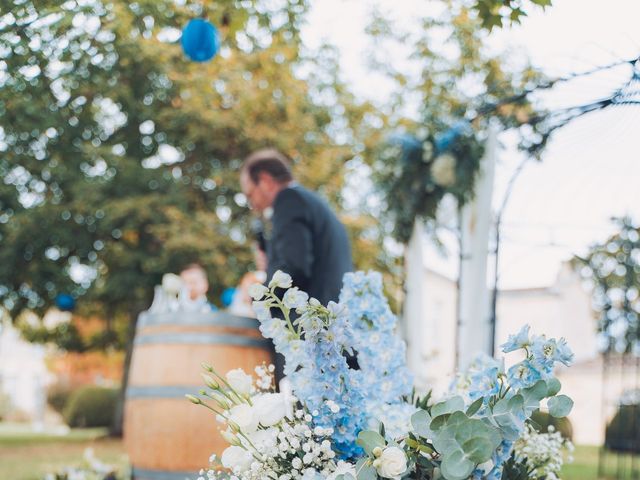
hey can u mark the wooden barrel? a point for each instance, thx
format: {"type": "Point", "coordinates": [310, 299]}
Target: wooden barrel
{"type": "Point", "coordinates": [166, 436]}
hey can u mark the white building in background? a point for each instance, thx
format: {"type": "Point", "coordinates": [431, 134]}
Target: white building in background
{"type": "Point", "coordinates": [23, 373]}
{"type": "Point", "coordinates": [562, 309]}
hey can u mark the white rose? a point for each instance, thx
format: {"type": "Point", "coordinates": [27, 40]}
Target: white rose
{"type": "Point", "coordinates": [443, 170]}
{"type": "Point", "coordinates": [280, 279]}
{"type": "Point", "coordinates": [236, 458]}
{"type": "Point", "coordinates": [240, 381]}
{"type": "Point", "coordinates": [343, 468]}
{"type": "Point", "coordinates": [257, 291]}
{"type": "Point", "coordinates": [244, 416]}
{"type": "Point", "coordinates": [392, 463]}
{"type": "Point", "coordinates": [270, 408]}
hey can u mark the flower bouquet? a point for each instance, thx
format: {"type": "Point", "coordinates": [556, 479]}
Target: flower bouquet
{"type": "Point", "coordinates": [351, 412]}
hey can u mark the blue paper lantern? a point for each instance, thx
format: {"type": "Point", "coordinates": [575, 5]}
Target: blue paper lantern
{"type": "Point", "coordinates": [200, 41]}
{"type": "Point", "coordinates": [227, 296]}
{"type": "Point", "coordinates": [65, 302]}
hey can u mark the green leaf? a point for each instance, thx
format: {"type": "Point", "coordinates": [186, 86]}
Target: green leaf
{"type": "Point", "coordinates": [478, 449]}
{"type": "Point", "coordinates": [365, 471]}
{"type": "Point", "coordinates": [369, 440]}
{"type": "Point", "coordinates": [553, 387]}
{"type": "Point", "coordinates": [505, 414]}
{"type": "Point", "coordinates": [533, 395]}
{"type": "Point", "coordinates": [438, 422]}
{"type": "Point", "coordinates": [474, 407]}
{"type": "Point", "coordinates": [459, 430]}
{"type": "Point", "coordinates": [560, 406]}
{"type": "Point", "coordinates": [449, 406]}
{"type": "Point", "coordinates": [456, 466]}
{"type": "Point", "coordinates": [421, 421]}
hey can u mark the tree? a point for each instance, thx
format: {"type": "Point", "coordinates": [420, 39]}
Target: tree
{"type": "Point", "coordinates": [612, 269]}
{"type": "Point", "coordinates": [498, 13]}
{"type": "Point", "coordinates": [120, 157]}
{"type": "Point", "coordinates": [460, 88]}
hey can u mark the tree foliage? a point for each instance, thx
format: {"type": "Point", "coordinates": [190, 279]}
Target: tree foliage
{"type": "Point", "coordinates": [120, 157]}
{"type": "Point", "coordinates": [613, 271]}
{"type": "Point", "coordinates": [499, 13]}
{"type": "Point", "coordinates": [459, 85]}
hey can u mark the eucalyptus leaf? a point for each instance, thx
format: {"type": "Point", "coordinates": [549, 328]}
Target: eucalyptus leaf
{"type": "Point", "coordinates": [449, 406]}
{"type": "Point", "coordinates": [366, 472]}
{"type": "Point", "coordinates": [439, 422]}
{"type": "Point", "coordinates": [459, 434]}
{"type": "Point", "coordinates": [553, 387]}
{"type": "Point", "coordinates": [478, 449]}
{"type": "Point", "coordinates": [456, 466]}
{"type": "Point", "coordinates": [509, 415]}
{"type": "Point", "coordinates": [421, 422]}
{"type": "Point", "coordinates": [560, 406]}
{"type": "Point", "coordinates": [369, 440]}
{"type": "Point", "coordinates": [533, 395]}
{"type": "Point", "coordinates": [474, 407]}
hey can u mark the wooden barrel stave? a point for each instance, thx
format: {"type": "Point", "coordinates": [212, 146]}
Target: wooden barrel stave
{"type": "Point", "coordinates": [165, 435]}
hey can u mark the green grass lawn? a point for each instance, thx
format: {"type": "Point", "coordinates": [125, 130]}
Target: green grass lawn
{"type": "Point", "coordinates": [29, 456]}
{"type": "Point", "coordinates": [585, 465]}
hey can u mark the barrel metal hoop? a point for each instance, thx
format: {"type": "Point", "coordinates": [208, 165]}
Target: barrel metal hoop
{"type": "Point", "coordinates": [161, 391]}
{"type": "Point", "coordinates": [202, 338]}
{"type": "Point", "coordinates": [218, 319]}
{"type": "Point", "coordinates": [143, 474]}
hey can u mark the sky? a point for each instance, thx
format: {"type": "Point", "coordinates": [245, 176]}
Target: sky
{"type": "Point", "coordinates": [590, 170]}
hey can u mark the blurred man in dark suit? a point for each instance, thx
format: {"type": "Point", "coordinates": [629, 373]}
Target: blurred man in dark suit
{"type": "Point", "coordinates": [306, 239]}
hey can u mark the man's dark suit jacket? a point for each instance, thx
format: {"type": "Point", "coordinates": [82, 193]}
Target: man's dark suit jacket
{"type": "Point", "coordinates": [309, 243]}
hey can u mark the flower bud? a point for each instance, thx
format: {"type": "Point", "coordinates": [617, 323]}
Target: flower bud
{"type": "Point", "coordinates": [193, 399]}
{"type": "Point", "coordinates": [377, 451]}
{"type": "Point", "coordinates": [221, 400]}
{"type": "Point", "coordinates": [210, 381]}
{"type": "Point", "coordinates": [206, 367]}
{"type": "Point", "coordinates": [230, 437]}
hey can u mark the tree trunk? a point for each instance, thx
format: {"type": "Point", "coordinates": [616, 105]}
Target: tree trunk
{"type": "Point", "coordinates": [118, 417]}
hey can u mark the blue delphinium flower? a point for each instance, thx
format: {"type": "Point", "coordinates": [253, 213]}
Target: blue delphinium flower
{"type": "Point", "coordinates": [546, 352]}
{"type": "Point", "coordinates": [486, 379]}
{"type": "Point", "coordinates": [563, 353]}
{"type": "Point", "coordinates": [381, 354]}
{"type": "Point", "coordinates": [484, 383]}
{"type": "Point", "coordinates": [500, 457]}
{"type": "Point", "coordinates": [482, 379]}
{"type": "Point", "coordinates": [517, 341]}
{"type": "Point", "coordinates": [395, 417]}
{"type": "Point", "coordinates": [315, 345]}
{"type": "Point", "coordinates": [523, 375]}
